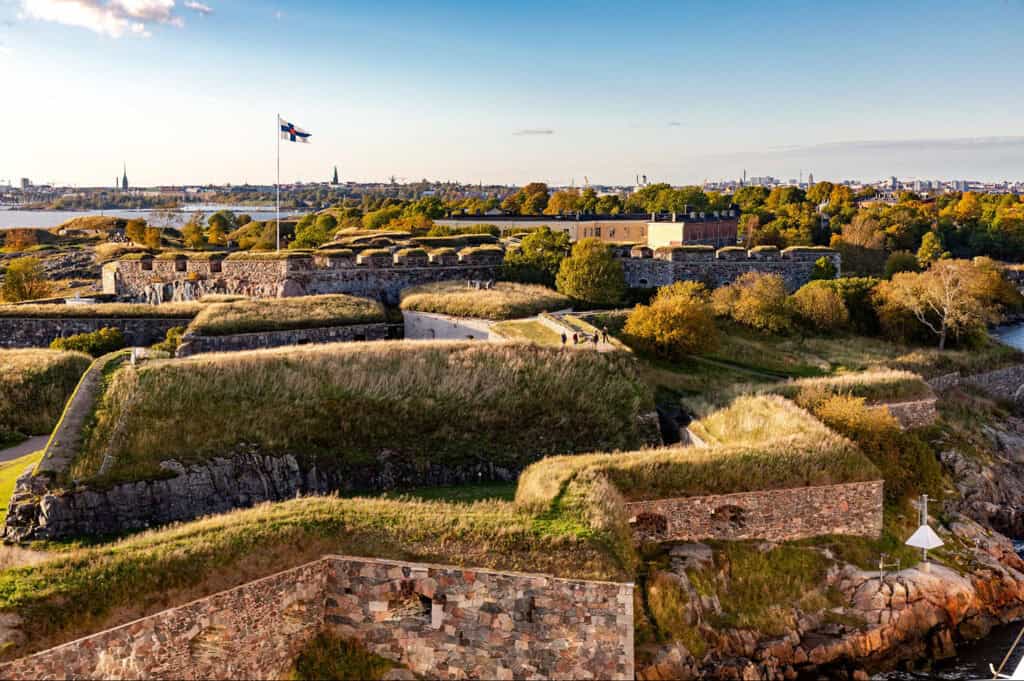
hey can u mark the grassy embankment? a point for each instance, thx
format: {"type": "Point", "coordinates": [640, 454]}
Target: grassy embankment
{"type": "Point", "coordinates": [34, 385]}
{"type": "Point", "coordinates": [283, 314]}
{"type": "Point", "coordinates": [436, 403]}
{"type": "Point", "coordinates": [10, 471]}
{"type": "Point", "coordinates": [505, 301]}
{"type": "Point", "coordinates": [103, 311]}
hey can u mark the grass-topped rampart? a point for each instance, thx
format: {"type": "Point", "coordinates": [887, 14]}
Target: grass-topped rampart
{"type": "Point", "coordinates": [90, 588]}
{"type": "Point", "coordinates": [283, 314]}
{"type": "Point", "coordinates": [34, 385]}
{"type": "Point", "coordinates": [758, 443]}
{"type": "Point", "coordinates": [506, 300]}
{"type": "Point", "coordinates": [103, 311]}
{"type": "Point", "coordinates": [343, 405]}
{"type": "Point", "coordinates": [880, 385]}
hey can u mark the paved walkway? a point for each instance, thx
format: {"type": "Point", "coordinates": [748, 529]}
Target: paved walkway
{"type": "Point", "coordinates": [33, 444]}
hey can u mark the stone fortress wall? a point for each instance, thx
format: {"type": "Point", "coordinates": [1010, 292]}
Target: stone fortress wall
{"type": "Point", "coordinates": [647, 268]}
{"type": "Point", "coordinates": [440, 622]}
{"type": "Point", "coordinates": [38, 332]}
{"type": "Point", "coordinates": [195, 344]}
{"type": "Point", "coordinates": [771, 515]}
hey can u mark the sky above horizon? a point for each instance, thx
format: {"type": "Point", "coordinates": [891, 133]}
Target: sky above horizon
{"type": "Point", "coordinates": [186, 91]}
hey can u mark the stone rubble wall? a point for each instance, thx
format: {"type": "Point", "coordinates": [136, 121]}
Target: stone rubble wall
{"type": "Point", "coordinates": [454, 623]}
{"type": "Point", "coordinates": [715, 270]}
{"type": "Point", "coordinates": [772, 515]}
{"type": "Point", "coordinates": [254, 631]}
{"type": "Point", "coordinates": [441, 622]}
{"type": "Point", "coordinates": [194, 344]}
{"type": "Point", "coordinates": [1006, 383]}
{"type": "Point", "coordinates": [34, 332]}
{"type": "Point", "coordinates": [913, 414]}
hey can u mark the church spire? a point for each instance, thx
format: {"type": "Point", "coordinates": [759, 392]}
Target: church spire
{"type": "Point", "coordinates": [124, 178]}
{"type": "Point", "coordinates": [335, 175]}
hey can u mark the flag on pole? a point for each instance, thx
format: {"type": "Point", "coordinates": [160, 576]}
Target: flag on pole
{"type": "Point", "coordinates": [291, 133]}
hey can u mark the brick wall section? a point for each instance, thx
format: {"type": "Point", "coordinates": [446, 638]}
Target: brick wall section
{"type": "Point", "coordinates": [254, 631]}
{"type": "Point", "coordinates": [1006, 383]}
{"type": "Point", "coordinates": [273, 339]}
{"type": "Point", "coordinates": [913, 414]}
{"type": "Point", "coordinates": [442, 622]}
{"type": "Point", "coordinates": [31, 332]}
{"type": "Point", "coordinates": [774, 515]}
{"type": "Point", "coordinates": [719, 269]}
{"type": "Point", "coordinates": [452, 623]}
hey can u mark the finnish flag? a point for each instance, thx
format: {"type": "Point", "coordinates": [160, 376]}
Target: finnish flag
{"type": "Point", "coordinates": [291, 133]}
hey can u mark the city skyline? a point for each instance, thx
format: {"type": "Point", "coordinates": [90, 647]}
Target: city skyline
{"type": "Point", "coordinates": [187, 91]}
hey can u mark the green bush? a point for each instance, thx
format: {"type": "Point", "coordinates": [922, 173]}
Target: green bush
{"type": "Point", "coordinates": [171, 341]}
{"type": "Point", "coordinates": [97, 343]}
{"type": "Point", "coordinates": [858, 297]}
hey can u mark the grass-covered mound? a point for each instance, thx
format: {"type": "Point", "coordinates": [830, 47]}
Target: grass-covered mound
{"type": "Point", "coordinates": [103, 311]}
{"type": "Point", "coordinates": [283, 314]}
{"type": "Point", "coordinates": [89, 588]}
{"type": "Point", "coordinates": [506, 300]}
{"type": "Point", "coordinates": [879, 385]}
{"type": "Point", "coordinates": [343, 404]}
{"type": "Point", "coordinates": [34, 385]}
{"type": "Point", "coordinates": [758, 443]}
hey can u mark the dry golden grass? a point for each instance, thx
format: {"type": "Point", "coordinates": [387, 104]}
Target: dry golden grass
{"type": "Point", "coordinates": [444, 403]}
{"type": "Point", "coordinates": [877, 385]}
{"type": "Point", "coordinates": [751, 420]}
{"type": "Point", "coordinates": [282, 314]}
{"type": "Point", "coordinates": [505, 301]}
{"type": "Point", "coordinates": [34, 385]}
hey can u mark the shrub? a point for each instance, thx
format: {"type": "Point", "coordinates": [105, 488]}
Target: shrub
{"type": "Point", "coordinates": [678, 322]}
{"type": "Point", "coordinates": [900, 261]}
{"type": "Point", "coordinates": [823, 269]}
{"type": "Point", "coordinates": [24, 279]}
{"type": "Point", "coordinates": [591, 274]}
{"type": "Point", "coordinates": [538, 258]}
{"type": "Point", "coordinates": [97, 343]}
{"type": "Point", "coordinates": [756, 300]}
{"type": "Point", "coordinates": [858, 297]}
{"type": "Point", "coordinates": [820, 308]}
{"type": "Point", "coordinates": [171, 341]}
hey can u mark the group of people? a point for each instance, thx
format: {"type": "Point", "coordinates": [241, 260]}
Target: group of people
{"type": "Point", "coordinates": [577, 339]}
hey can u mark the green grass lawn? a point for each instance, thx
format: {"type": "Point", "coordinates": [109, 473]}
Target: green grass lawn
{"type": "Point", "coordinates": [461, 494]}
{"type": "Point", "coordinates": [9, 473]}
{"type": "Point", "coordinates": [529, 330]}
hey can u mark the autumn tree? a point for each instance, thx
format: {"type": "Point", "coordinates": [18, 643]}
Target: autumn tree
{"type": "Point", "coordinates": [135, 230]}
{"type": "Point", "coordinates": [678, 322]}
{"type": "Point", "coordinates": [538, 258]}
{"type": "Point", "coordinates": [820, 308]}
{"type": "Point", "coordinates": [562, 202]}
{"type": "Point", "coordinates": [930, 250]}
{"type": "Point", "coordinates": [591, 274]}
{"type": "Point", "coordinates": [757, 300]}
{"type": "Point", "coordinates": [951, 298]}
{"type": "Point", "coordinates": [152, 237]}
{"type": "Point", "coordinates": [24, 279]}
{"type": "Point", "coordinates": [192, 234]}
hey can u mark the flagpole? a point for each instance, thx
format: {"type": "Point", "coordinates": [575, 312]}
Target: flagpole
{"type": "Point", "coordinates": [277, 126]}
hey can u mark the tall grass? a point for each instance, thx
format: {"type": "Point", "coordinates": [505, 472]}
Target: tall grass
{"type": "Point", "coordinates": [750, 420]}
{"type": "Point", "coordinates": [876, 385]}
{"type": "Point", "coordinates": [103, 310]}
{"type": "Point", "coordinates": [85, 589]}
{"type": "Point", "coordinates": [347, 404]}
{"type": "Point", "coordinates": [34, 385]}
{"type": "Point", "coordinates": [505, 301]}
{"type": "Point", "coordinates": [282, 314]}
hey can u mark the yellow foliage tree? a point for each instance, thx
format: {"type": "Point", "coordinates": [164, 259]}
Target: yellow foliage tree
{"type": "Point", "coordinates": [678, 322]}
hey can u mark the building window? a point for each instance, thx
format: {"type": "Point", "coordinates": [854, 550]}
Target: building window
{"type": "Point", "coordinates": [147, 264]}
{"type": "Point", "coordinates": [180, 264]}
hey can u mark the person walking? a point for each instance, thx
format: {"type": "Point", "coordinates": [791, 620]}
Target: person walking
{"type": "Point", "coordinates": [575, 339]}
{"type": "Point", "coordinates": [564, 339]}
{"type": "Point", "coordinates": [595, 339]}
{"type": "Point", "coordinates": [604, 334]}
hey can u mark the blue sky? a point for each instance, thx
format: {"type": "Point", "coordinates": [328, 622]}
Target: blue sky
{"type": "Point", "coordinates": [187, 90]}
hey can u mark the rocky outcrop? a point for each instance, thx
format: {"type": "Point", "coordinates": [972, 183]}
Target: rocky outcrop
{"type": "Point", "coordinates": [40, 511]}
{"type": "Point", "coordinates": [908, 615]}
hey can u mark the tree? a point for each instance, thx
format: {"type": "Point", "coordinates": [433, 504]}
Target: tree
{"type": "Point", "coordinates": [135, 230]}
{"type": "Point", "coordinates": [192, 233]}
{"type": "Point", "coordinates": [750, 199]}
{"type": "Point", "coordinates": [314, 230]}
{"type": "Point", "coordinates": [757, 300]}
{"type": "Point", "coordinates": [591, 274]}
{"type": "Point", "coordinates": [24, 279]}
{"type": "Point", "coordinates": [820, 192]}
{"type": "Point", "coordinates": [538, 258]}
{"type": "Point", "coordinates": [900, 261]}
{"type": "Point", "coordinates": [535, 198]}
{"type": "Point", "coordinates": [950, 298]}
{"type": "Point", "coordinates": [152, 237]}
{"type": "Point", "coordinates": [678, 322]}
{"type": "Point", "coordinates": [823, 268]}
{"type": "Point", "coordinates": [562, 202]}
{"type": "Point", "coordinates": [221, 224]}
{"type": "Point", "coordinates": [930, 250]}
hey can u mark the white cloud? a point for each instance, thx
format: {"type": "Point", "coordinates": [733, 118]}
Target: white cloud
{"type": "Point", "coordinates": [198, 7]}
{"type": "Point", "coordinates": [115, 18]}
{"type": "Point", "coordinates": [6, 51]}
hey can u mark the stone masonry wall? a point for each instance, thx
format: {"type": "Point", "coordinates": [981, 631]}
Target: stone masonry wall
{"type": "Point", "coordinates": [192, 345]}
{"type": "Point", "coordinates": [913, 414]}
{"type": "Point", "coordinates": [31, 332]}
{"type": "Point", "coordinates": [441, 622]}
{"type": "Point", "coordinates": [453, 623]}
{"type": "Point", "coordinates": [1006, 383]}
{"type": "Point", "coordinates": [773, 515]}
{"type": "Point", "coordinates": [254, 631]}
{"type": "Point", "coordinates": [661, 270]}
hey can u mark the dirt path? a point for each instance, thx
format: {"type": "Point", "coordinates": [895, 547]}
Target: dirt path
{"type": "Point", "coordinates": [33, 444]}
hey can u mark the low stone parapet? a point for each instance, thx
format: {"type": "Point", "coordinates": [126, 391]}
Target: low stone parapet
{"type": "Point", "coordinates": [913, 414]}
{"type": "Point", "coordinates": [773, 515]}
{"type": "Point", "coordinates": [194, 344]}
{"type": "Point", "coordinates": [39, 332]}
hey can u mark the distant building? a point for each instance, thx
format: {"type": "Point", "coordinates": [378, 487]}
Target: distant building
{"type": "Point", "coordinates": [711, 228]}
{"type": "Point", "coordinates": [124, 179]}
{"type": "Point", "coordinates": [26, 183]}
{"type": "Point", "coordinates": [335, 180]}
